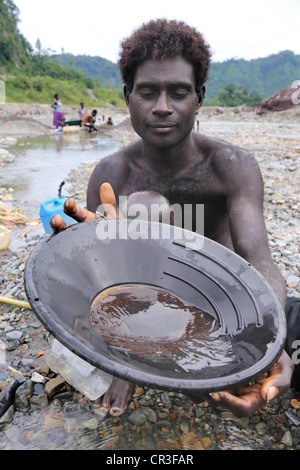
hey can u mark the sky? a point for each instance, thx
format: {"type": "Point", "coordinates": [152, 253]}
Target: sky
{"type": "Point", "coordinates": [234, 29]}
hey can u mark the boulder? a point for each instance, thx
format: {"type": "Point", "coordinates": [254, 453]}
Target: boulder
{"type": "Point", "coordinates": [284, 99]}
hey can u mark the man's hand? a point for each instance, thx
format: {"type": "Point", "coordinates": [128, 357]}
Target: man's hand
{"type": "Point", "coordinates": [80, 214]}
{"type": "Point", "coordinates": [244, 401]}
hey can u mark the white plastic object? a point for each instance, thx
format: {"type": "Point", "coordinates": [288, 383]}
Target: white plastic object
{"type": "Point", "coordinates": [5, 238]}
{"type": "Point", "coordinates": [84, 377]}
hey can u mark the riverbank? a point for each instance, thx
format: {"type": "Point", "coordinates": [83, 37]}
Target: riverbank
{"type": "Point", "coordinates": [34, 119]}
{"type": "Point", "coordinates": [49, 414]}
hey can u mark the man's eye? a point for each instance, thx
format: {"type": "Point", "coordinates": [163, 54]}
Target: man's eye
{"type": "Point", "coordinates": [179, 95]}
{"type": "Point", "coordinates": [147, 94]}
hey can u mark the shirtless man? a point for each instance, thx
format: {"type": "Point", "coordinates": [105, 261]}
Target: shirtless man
{"type": "Point", "coordinates": [164, 67]}
{"type": "Point", "coordinates": [89, 121]}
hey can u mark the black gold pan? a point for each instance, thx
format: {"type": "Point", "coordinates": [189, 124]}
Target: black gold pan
{"type": "Point", "coordinates": [178, 312]}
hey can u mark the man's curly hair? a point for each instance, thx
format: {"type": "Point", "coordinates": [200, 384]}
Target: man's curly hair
{"type": "Point", "coordinates": [162, 39]}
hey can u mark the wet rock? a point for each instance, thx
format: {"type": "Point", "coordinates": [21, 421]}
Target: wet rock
{"type": "Point", "coordinates": [14, 335]}
{"type": "Point", "coordinates": [150, 414]}
{"type": "Point", "coordinates": [287, 439]}
{"type": "Point", "coordinates": [137, 417]}
{"type": "Point", "coordinates": [54, 385]}
{"type": "Point", "coordinates": [91, 424]}
{"type": "Point", "coordinates": [38, 378]}
{"type": "Point", "coordinates": [39, 401]}
{"type": "Point", "coordinates": [23, 394]}
{"type": "Point", "coordinates": [76, 408]}
{"type": "Point", "coordinates": [261, 428]}
{"type": "Point", "coordinates": [7, 417]}
{"type": "Point", "coordinates": [38, 389]}
{"type": "Point", "coordinates": [293, 418]}
{"type": "Point", "coordinates": [7, 395]}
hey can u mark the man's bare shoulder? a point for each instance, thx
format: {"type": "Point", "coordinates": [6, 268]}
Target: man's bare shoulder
{"type": "Point", "coordinates": [225, 155]}
{"type": "Point", "coordinates": [234, 166]}
{"type": "Point", "coordinates": [119, 159]}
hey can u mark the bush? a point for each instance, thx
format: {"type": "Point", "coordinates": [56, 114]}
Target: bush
{"type": "Point", "coordinates": [235, 95]}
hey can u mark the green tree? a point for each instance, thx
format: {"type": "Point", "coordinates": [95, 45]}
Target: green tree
{"type": "Point", "coordinates": [14, 49]}
{"type": "Point", "coordinates": [235, 95]}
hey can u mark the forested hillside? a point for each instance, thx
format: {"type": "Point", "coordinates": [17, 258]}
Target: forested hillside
{"type": "Point", "coordinates": [264, 76]}
{"type": "Point", "coordinates": [259, 78]}
{"type": "Point", "coordinates": [14, 48]}
{"type": "Point", "coordinates": [96, 68]}
{"type": "Point", "coordinates": [31, 74]}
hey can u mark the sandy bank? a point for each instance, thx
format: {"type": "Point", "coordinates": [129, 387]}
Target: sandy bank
{"type": "Point", "coordinates": [33, 119]}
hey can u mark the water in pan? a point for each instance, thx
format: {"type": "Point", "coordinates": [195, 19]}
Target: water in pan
{"type": "Point", "coordinates": [161, 326]}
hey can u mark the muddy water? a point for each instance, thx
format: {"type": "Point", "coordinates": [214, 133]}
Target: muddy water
{"type": "Point", "coordinates": [160, 327]}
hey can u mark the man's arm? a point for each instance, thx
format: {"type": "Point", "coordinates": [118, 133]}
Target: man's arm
{"type": "Point", "coordinates": [243, 184]}
{"type": "Point", "coordinates": [245, 191]}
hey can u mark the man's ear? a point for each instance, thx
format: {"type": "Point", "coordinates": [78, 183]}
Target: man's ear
{"type": "Point", "coordinates": [126, 95]}
{"type": "Point", "coordinates": [201, 97]}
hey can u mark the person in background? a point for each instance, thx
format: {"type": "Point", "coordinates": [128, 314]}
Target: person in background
{"type": "Point", "coordinates": [82, 111]}
{"type": "Point", "coordinates": [89, 121]}
{"type": "Point", "coordinates": [58, 116]}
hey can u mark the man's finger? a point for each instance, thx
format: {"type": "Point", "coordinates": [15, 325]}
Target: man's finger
{"type": "Point", "coordinates": [108, 200]}
{"type": "Point", "coordinates": [280, 378]}
{"type": "Point", "coordinates": [76, 212]}
{"type": "Point", "coordinates": [57, 223]}
{"type": "Point", "coordinates": [241, 406]}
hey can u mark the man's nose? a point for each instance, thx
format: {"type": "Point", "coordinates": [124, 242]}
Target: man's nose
{"type": "Point", "coordinates": [162, 105]}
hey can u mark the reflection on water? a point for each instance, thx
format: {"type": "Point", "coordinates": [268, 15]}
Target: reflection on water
{"type": "Point", "coordinates": [170, 422]}
{"type": "Point", "coordinates": [160, 327]}
{"type": "Point", "coordinates": [40, 164]}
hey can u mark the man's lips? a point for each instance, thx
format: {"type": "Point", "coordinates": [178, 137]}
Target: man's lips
{"type": "Point", "coordinates": [162, 125]}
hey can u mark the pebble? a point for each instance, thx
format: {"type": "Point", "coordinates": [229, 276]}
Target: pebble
{"type": "Point", "coordinates": [11, 335]}
{"type": "Point", "coordinates": [49, 413]}
{"type": "Point", "coordinates": [38, 378]}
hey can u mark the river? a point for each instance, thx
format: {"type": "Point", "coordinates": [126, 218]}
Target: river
{"type": "Point", "coordinates": [40, 164]}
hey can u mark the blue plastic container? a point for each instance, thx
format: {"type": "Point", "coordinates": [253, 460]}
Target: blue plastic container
{"type": "Point", "coordinates": [50, 208]}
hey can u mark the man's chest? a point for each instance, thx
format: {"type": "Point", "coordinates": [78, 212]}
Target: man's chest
{"type": "Point", "coordinates": [193, 192]}
{"type": "Point", "coordinates": [196, 185]}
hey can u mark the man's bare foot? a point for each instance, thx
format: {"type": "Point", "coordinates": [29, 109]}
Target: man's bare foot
{"type": "Point", "coordinates": [115, 399]}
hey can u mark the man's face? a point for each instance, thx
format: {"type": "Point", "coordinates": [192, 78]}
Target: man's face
{"type": "Point", "coordinates": [163, 102]}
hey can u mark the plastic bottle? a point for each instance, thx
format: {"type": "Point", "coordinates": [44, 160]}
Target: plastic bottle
{"type": "Point", "coordinates": [84, 377]}
{"type": "Point", "coordinates": [5, 238]}
{"type": "Point", "coordinates": [50, 208]}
